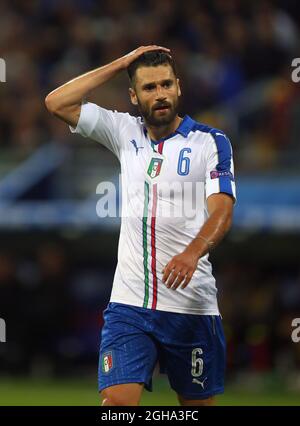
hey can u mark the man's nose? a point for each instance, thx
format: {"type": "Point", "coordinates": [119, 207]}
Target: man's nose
{"type": "Point", "coordinates": [160, 94]}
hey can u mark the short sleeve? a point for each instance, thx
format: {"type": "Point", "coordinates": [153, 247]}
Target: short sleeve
{"type": "Point", "coordinates": [101, 125]}
{"type": "Point", "coordinates": [219, 165]}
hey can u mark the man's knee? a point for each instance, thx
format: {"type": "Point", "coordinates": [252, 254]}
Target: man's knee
{"type": "Point", "coordinates": [196, 402]}
{"type": "Point", "coordinates": [113, 399]}
{"type": "Point", "coordinates": [122, 395]}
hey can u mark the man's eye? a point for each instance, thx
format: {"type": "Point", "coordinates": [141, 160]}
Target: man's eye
{"type": "Point", "coordinates": [168, 84]}
{"type": "Point", "coordinates": [149, 88]}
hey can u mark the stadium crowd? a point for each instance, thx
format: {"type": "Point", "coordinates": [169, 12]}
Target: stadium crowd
{"type": "Point", "coordinates": [221, 48]}
{"type": "Point", "coordinates": [234, 61]}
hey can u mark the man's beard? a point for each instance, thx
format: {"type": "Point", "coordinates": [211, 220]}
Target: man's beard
{"type": "Point", "coordinates": [152, 117]}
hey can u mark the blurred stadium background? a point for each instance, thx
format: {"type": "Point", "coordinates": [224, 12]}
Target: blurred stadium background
{"type": "Point", "coordinates": [57, 257]}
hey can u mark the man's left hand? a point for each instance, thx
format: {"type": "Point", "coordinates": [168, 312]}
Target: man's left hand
{"type": "Point", "coordinates": [180, 269]}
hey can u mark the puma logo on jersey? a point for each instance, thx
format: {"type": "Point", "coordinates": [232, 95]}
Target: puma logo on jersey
{"type": "Point", "coordinates": [198, 382]}
{"type": "Point", "coordinates": [135, 146]}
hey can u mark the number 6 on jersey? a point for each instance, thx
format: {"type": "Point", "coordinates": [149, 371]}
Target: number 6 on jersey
{"type": "Point", "coordinates": [183, 167]}
{"type": "Point", "coordinates": [197, 363]}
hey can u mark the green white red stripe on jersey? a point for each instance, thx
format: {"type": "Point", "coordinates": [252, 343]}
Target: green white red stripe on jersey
{"type": "Point", "coordinates": [151, 242]}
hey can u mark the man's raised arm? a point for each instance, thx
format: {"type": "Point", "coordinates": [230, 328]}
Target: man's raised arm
{"type": "Point", "coordinates": [65, 101]}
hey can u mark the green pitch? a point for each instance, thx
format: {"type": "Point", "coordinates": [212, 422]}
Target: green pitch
{"type": "Point", "coordinates": [70, 392]}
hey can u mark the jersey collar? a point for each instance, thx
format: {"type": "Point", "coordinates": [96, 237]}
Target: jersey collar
{"type": "Point", "coordinates": [183, 129]}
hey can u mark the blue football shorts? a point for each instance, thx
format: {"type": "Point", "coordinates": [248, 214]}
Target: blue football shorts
{"type": "Point", "coordinates": [190, 349]}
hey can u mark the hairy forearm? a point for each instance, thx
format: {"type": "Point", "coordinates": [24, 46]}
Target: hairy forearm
{"type": "Point", "coordinates": [75, 90]}
{"type": "Point", "coordinates": [211, 233]}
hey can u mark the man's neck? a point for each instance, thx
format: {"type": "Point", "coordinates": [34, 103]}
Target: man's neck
{"type": "Point", "coordinates": [158, 132]}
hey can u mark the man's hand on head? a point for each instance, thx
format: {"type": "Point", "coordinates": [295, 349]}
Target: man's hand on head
{"type": "Point", "coordinates": [132, 56]}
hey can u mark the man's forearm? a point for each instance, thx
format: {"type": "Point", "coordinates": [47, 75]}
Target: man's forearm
{"type": "Point", "coordinates": [211, 233]}
{"type": "Point", "coordinates": [72, 92]}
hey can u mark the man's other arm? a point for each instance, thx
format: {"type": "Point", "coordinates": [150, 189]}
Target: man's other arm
{"type": "Point", "coordinates": [220, 209]}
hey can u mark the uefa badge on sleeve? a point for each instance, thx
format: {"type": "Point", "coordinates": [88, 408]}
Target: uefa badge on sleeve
{"type": "Point", "coordinates": [107, 362]}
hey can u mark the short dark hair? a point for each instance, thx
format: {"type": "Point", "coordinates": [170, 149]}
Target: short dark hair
{"type": "Point", "coordinates": [151, 59]}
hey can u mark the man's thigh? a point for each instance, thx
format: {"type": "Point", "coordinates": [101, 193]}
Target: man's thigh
{"type": "Point", "coordinates": [127, 352]}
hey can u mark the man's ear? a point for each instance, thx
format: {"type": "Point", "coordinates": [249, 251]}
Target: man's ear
{"type": "Point", "coordinates": [179, 88]}
{"type": "Point", "coordinates": [133, 97]}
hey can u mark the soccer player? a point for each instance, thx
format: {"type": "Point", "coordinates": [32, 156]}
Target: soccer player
{"type": "Point", "coordinates": [163, 305]}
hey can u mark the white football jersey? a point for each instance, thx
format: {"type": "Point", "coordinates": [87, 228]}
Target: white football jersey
{"type": "Point", "coordinates": [165, 186]}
